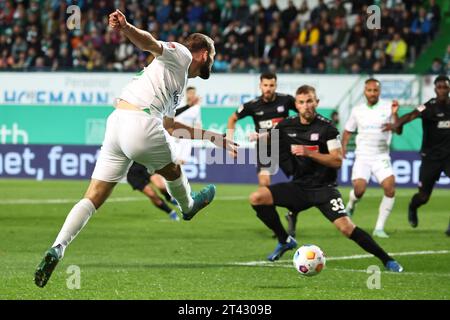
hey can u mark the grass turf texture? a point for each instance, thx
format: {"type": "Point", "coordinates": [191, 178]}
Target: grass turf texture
{"type": "Point", "coordinates": [131, 250]}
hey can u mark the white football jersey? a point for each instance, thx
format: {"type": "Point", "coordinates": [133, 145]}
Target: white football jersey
{"type": "Point", "coordinates": [368, 121]}
{"type": "Point", "coordinates": [161, 84]}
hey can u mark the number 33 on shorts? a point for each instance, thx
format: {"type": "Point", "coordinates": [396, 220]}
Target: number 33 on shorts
{"type": "Point", "coordinates": [337, 204]}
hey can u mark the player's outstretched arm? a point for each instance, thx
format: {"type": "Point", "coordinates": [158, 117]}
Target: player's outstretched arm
{"type": "Point", "coordinates": [182, 131]}
{"type": "Point", "coordinates": [140, 38]}
{"type": "Point", "coordinates": [402, 121]}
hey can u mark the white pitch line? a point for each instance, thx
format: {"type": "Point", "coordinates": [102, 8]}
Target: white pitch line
{"type": "Point", "coordinates": [59, 201]}
{"type": "Point", "coordinates": [118, 199]}
{"type": "Point", "coordinates": [357, 256]}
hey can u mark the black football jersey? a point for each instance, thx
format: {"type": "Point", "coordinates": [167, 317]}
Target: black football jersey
{"type": "Point", "coordinates": [436, 129]}
{"type": "Point", "coordinates": [267, 114]}
{"type": "Point", "coordinates": [305, 171]}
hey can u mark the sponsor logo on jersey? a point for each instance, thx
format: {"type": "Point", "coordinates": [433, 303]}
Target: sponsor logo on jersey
{"type": "Point", "coordinates": [421, 108]}
{"type": "Point", "coordinates": [312, 148]}
{"type": "Point", "coordinates": [440, 115]}
{"type": "Point", "coordinates": [280, 109]}
{"type": "Point", "coordinates": [241, 107]}
{"type": "Point", "coordinates": [259, 113]}
{"type": "Point", "coordinates": [444, 124]}
{"type": "Point", "coordinates": [295, 148]}
{"type": "Point", "coordinates": [292, 135]}
{"type": "Point", "coordinates": [269, 124]}
{"type": "Point", "coordinates": [314, 137]}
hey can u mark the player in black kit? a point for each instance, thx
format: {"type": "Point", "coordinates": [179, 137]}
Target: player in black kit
{"type": "Point", "coordinates": [435, 151]}
{"type": "Point", "coordinates": [266, 110]}
{"type": "Point", "coordinates": [139, 178]}
{"type": "Point", "coordinates": [312, 144]}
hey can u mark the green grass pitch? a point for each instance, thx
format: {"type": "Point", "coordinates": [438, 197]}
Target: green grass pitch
{"type": "Point", "coordinates": [131, 250]}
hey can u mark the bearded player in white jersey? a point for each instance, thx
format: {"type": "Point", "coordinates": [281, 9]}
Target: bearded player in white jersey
{"type": "Point", "coordinates": [138, 130]}
{"type": "Point", "coordinates": [372, 151]}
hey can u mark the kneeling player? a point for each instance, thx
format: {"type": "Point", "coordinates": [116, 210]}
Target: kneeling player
{"type": "Point", "coordinates": [139, 178]}
{"type": "Point", "coordinates": [313, 146]}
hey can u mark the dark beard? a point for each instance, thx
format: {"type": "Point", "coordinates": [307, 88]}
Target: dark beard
{"type": "Point", "coordinates": [205, 72]}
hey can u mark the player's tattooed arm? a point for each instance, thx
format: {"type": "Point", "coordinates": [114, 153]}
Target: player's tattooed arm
{"type": "Point", "coordinates": [140, 38]}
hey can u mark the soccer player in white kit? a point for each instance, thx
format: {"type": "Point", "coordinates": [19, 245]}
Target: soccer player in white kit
{"type": "Point", "coordinates": [138, 130]}
{"type": "Point", "coordinates": [372, 151]}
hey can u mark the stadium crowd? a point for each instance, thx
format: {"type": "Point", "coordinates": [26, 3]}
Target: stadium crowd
{"type": "Point", "coordinates": [331, 37]}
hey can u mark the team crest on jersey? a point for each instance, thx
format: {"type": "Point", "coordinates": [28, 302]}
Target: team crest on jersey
{"type": "Point", "coordinates": [280, 109]}
{"type": "Point", "coordinates": [443, 125]}
{"type": "Point", "coordinates": [171, 45]}
{"type": "Point", "coordinates": [314, 137]}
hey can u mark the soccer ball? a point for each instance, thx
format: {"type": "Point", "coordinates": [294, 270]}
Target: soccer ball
{"type": "Point", "coordinates": [309, 260]}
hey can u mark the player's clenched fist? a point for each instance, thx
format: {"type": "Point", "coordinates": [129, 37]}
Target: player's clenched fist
{"type": "Point", "coordinates": [117, 20]}
{"type": "Point", "coordinates": [394, 106]}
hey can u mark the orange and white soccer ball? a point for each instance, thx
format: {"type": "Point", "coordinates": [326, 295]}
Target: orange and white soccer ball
{"type": "Point", "coordinates": [309, 260]}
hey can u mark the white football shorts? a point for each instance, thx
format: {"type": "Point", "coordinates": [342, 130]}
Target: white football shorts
{"type": "Point", "coordinates": [132, 135]}
{"type": "Point", "coordinates": [380, 167]}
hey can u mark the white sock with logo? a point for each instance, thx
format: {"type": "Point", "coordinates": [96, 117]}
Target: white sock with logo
{"type": "Point", "coordinates": [385, 210]}
{"type": "Point", "coordinates": [75, 221]}
{"type": "Point", "coordinates": [181, 191]}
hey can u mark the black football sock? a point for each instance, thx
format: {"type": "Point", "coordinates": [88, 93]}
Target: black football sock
{"type": "Point", "coordinates": [164, 207]}
{"type": "Point", "coordinates": [269, 215]}
{"type": "Point", "coordinates": [166, 195]}
{"type": "Point", "coordinates": [365, 241]}
{"type": "Point", "coordinates": [417, 201]}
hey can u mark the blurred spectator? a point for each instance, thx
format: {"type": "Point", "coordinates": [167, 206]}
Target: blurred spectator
{"type": "Point", "coordinates": [351, 57]}
{"type": "Point", "coordinates": [421, 28]}
{"type": "Point", "coordinates": [334, 117]}
{"type": "Point", "coordinates": [309, 36]}
{"type": "Point", "coordinates": [248, 35]}
{"type": "Point", "coordinates": [446, 58]}
{"type": "Point", "coordinates": [316, 12]}
{"type": "Point", "coordinates": [288, 15]}
{"type": "Point", "coordinates": [434, 12]}
{"type": "Point", "coordinates": [397, 49]}
{"type": "Point", "coordinates": [437, 67]}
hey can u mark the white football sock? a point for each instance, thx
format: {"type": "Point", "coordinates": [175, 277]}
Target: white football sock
{"type": "Point", "coordinates": [352, 199]}
{"type": "Point", "coordinates": [181, 191]}
{"type": "Point", "coordinates": [75, 221]}
{"type": "Point", "coordinates": [385, 209]}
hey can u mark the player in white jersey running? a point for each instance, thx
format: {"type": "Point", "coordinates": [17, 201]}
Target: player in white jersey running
{"type": "Point", "coordinates": [372, 151]}
{"type": "Point", "coordinates": [138, 130]}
